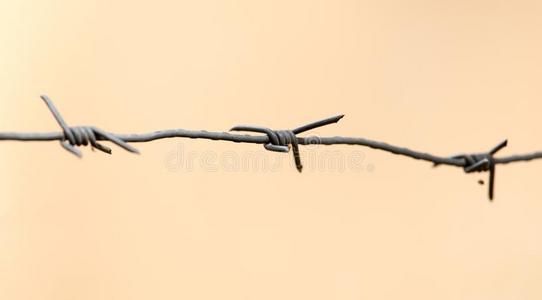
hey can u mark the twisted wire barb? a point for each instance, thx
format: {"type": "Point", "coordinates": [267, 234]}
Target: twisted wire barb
{"type": "Point", "coordinates": [482, 162]}
{"type": "Point", "coordinates": [83, 135]}
{"type": "Point", "coordinates": [273, 140]}
{"type": "Point", "coordinates": [280, 140]}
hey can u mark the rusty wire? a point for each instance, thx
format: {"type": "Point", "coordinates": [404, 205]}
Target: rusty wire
{"type": "Point", "coordinates": [273, 140]}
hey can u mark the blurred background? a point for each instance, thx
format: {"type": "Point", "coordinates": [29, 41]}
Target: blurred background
{"type": "Point", "coordinates": [197, 219]}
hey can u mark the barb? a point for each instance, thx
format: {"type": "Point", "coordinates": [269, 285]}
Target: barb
{"type": "Point", "coordinates": [278, 140]}
{"type": "Point", "coordinates": [482, 162]}
{"type": "Point", "coordinates": [83, 135]}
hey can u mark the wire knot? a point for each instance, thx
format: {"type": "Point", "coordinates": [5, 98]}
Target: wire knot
{"type": "Point", "coordinates": [482, 162]}
{"type": "Point", "coordinates": [84, 135]}
{"type": "Point", "coordinates": [282, 140]}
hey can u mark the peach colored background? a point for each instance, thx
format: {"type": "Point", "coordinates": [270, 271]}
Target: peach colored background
{"type": "Point", "coordinates": [438, 76]}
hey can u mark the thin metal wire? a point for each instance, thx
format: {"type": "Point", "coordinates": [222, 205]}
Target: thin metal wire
{"type": "Point", "coordinates": [273, 140]}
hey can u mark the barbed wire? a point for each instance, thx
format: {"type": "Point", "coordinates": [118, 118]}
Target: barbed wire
{"type": "Point", "coordinates": [273, 140]}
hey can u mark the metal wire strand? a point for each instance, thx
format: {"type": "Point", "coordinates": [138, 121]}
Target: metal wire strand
{"type": "Point", "coordinates": [83, 135]}
{"type": "Point", "coordinates": [280, 140]}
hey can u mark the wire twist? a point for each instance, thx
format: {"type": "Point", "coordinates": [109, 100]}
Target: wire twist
{"type": "Point", "coordinates": [281, 140]}
{"type": "Point", "coordinates": [482, 162]}
{"type": "Point", "coordinates": [84, 135]}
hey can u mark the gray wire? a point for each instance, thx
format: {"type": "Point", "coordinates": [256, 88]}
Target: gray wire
{"type": "Point", "coordinates": [274, 140]}
{"type": "Point", "coordinates": [241, 138]}
{"type": "Point", "coordinates": [251, 139]}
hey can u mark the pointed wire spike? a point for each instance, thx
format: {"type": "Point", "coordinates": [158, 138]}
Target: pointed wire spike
{"type": "Point", "coordinates": [491, 183]}
{"type": "Point", "coordinates": [295, 151]}
{"type": "Point", "coordinates": [71, 149]}
{"type": "Point", "coordinates": [93, 142]}
{"type": "Point", "coordinates": [119, 142]}
{"type": "Point", "coordinates": [58, 118]}
{"type": "Point", "coordinates": [317, 124]}
{"type": "Point", "coordinates": [498, 147]}
{"type": "Point", "coordinates": [298, 164]}
{"type": "Point", "coordinates": [102, 148]}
